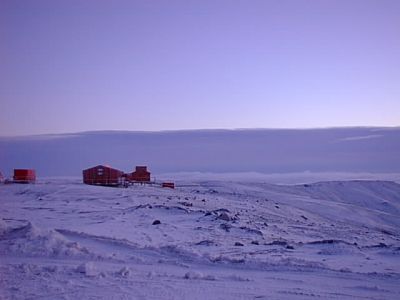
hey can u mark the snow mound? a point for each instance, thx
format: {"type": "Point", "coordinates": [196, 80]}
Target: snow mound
{"type": "Point", "coordinates": [33, 241]}
{"type": "Point", "coordinates": [334, 247]}
{"type": "Point", "coordinates": [193, 275]}
{"type": "Point", "coordinates": [89, 269]}
{"type": "Point", "coordinates": [377, 195]}
{"type": "Point", "coordinates": [3, 227]}
{"type": "Point", "coordinates": [124, 272]}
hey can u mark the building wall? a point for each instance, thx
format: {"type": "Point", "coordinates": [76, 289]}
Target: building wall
{"type": "Point", "coordinates": [140, 174]}
{"type": "Point", "coordinates": [24, 175]}
{"type": "Point", "coordinates": [102, 175]}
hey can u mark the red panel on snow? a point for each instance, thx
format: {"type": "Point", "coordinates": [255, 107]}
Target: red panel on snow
{"type": "Point", "coordinates": [170, 185]}
{"type": "Point", "coordinates": [24, 175]}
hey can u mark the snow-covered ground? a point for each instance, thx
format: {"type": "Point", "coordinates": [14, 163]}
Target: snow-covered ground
{"type": "Point", "coordinates": [219, 239]}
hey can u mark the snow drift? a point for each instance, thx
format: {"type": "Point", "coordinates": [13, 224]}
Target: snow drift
{"type": "Point", "coordinates": [214, 239]}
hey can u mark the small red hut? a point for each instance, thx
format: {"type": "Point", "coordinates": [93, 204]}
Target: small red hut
{"type": "Point", "coordinates": [24, 176]}
{"type": "Point", "coordinates": [140, 174]}
{"type": "Point", "coordinates": [170, 185]}
{"type": "Point", "coordinates": [103, 175]}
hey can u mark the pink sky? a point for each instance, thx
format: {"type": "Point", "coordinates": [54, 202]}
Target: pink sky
{"type": "Point", "coordinates": [68, 66]}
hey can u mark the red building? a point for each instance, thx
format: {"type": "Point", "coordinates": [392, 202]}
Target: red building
{"type": "Point", "coordinates": [170, 185]}
{"type": "Point", "coordinates": [24, 176]}
{"type": "Point", "coordinates": [103, 175]}
{"type": "Point", "coordinates": [140, 174]}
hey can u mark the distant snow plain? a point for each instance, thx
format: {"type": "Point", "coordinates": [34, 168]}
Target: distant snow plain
{"type": "Point", "coordinates": [265, 151]}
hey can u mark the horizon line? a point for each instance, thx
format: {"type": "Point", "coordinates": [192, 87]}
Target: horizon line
{"type": "Point", "coordinates": [195, 130]}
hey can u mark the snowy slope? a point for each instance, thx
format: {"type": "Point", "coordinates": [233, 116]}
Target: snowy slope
{"type": "Point", "coordinates": [219, 239]}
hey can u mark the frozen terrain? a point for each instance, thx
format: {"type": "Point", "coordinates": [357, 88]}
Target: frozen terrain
{"type": "Point", "coordinates": [215, 239]}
